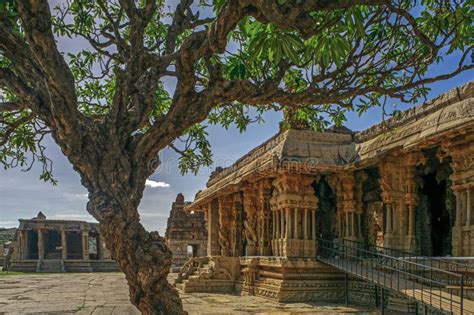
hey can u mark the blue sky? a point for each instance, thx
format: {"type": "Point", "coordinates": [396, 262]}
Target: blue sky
{"type": "Point", "coordinates": [22, 194]}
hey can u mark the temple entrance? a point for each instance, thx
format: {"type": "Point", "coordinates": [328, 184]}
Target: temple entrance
{"type": "Point", "coordinates": [32, 244]}
{"type": "Point", "coordinates": [52, 245]}
{"type": "Point", "coordinates": [439, 217]}
{"type": "Point", "coordinates": [74, 245]}
{"type": "Point", "coordinates": [192, 250]}
{"type": "Point", "coordinates": [326, 212]}
{"type": "Point", "coordinates": [435, 212]}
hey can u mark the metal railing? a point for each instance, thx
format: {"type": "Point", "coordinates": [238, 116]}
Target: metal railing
{"type": "Point", "coordinates": [409, 278]}
{"type": "Point", "coordinates": [436, 262]}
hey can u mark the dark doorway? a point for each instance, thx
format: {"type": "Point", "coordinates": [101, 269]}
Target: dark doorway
{"type": "Point", "coordinates": [74, 245]}
{"type": "Point", "coordinates": [192, 250]}
{"type": "Point", "coordinates": [32, 244]}
{"type": "Point", "coordinates": [439, 216]}
{"type": "Point", "coordinates": [52, 245]}
{"type": "Point", "coordinates": [326, 213]}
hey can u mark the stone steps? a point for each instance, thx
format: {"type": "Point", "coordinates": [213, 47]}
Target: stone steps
{"type": "Point", "coordinates": [50, 266]}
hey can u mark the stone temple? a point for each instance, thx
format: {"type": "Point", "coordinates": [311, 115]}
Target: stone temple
{"type": "Point", "coordinates": [44, 245]}
{"type": "Point", "coordinates": [186, 233]}
{"type": "Point", "coordinates": [334, 215]}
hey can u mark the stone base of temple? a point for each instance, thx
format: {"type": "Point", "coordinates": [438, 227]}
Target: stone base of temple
{"type": "Point", "coordinates": [31, 265]}
{"type": "Point", "coordinates": [282, 280]}
{"type": "Point", "coordinates": [290, 280]}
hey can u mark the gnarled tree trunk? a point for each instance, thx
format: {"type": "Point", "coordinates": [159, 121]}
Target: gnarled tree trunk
{"type": "Point", "coordinates": [141, 255]}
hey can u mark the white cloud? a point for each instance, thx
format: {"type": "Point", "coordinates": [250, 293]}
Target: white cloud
{"type": "Point", "coordinates": [153, 184]}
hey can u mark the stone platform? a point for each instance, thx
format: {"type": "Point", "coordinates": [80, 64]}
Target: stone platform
{"type": "Point", "coordinates": [107, 293]}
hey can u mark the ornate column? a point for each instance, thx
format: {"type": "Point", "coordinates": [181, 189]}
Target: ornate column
{"type": "Point", "coordinates": [40, 244]}
{"type": "Point", "coordinates": [64, 245]}
{"type": "Point", "coordinates": [393, 196]}
{"type": "Point", "coordinates": [293, 196]}
{"type": "Point", "coordinates": [250, 223]}
{"type": "Point", "coordinates": [236, 229]}
{"type": "Point", "coordinates": [411, 200]}
{"type": "Point", "coordinates": [213, 247]}
{"type": "Point", "coordinates": [264, 214]}
{"type": "Point", "coordinates": [225, 205]}
{"type": "Point", "coordinates": [461, 151]}
{"type": "Point", "coordinates": [349, 205]}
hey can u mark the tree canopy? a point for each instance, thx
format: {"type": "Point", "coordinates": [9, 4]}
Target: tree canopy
{"type": "Point", "coordinates": [319, 58]}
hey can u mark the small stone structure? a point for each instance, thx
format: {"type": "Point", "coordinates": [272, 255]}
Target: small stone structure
{"type": "Point", "coordinates": [406, 184]}
{"type": "Point", "coordinates": [43, 245]}
{"type": "Point", "coordinates": [186, 233]}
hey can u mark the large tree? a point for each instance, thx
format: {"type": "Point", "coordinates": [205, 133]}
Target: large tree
{"type": "Point", "coordinates": [108, 110]}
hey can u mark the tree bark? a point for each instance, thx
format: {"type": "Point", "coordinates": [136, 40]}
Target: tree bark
{"type": "Point", "coordinates": [142, 256]}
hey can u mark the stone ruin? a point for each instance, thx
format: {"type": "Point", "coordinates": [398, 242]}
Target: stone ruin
{"type": "Point", "coordinates": [186, 233]}
{"type": "Point", "coordinates": [44, 245]}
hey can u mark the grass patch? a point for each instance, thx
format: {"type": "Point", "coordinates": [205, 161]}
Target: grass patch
{"type": "Point", "coordinates": [15, 273]}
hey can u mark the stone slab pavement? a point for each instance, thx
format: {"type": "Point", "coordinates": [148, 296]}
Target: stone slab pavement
{"type": "Point", "coordinates": [107, 293]}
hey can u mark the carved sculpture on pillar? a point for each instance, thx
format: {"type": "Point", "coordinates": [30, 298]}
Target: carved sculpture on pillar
{"type": "Point", "coordinates": [225, 210]}
{"type": "Point", "coordinates": [387, 198]}
{"type": "Point", "coordinates": [251, 238]}
{"type": "Point", "coordinates": [250, 224]}
{"type": "Point", "coordinates": [411, 199]}
{"type": "Point", "coordinates": [349, 206]}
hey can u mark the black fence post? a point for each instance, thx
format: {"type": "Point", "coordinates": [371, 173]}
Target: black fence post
{"type": "Point", "coordinates": [382, 302]}
{"type": "Point", "coordinates": [346, 288]}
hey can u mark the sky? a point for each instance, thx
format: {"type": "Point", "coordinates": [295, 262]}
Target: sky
{"type": "Point", "coordinates": [22, 194]}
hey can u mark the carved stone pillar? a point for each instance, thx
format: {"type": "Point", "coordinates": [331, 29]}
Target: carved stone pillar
{"type": "Point", "coordinates": [264, 214]}
{"type": "Point", "coordinates": [393, 196]}
{"type": "Point", "coordinates": [349, 205]}
{"type": "Point", "coordinates": [64, 245]}
{"type": "Point", "coordinates": [237, 225]}
{"type": "Point", "coordinates": [250, 223]}
{"type": "Point", "coordinates": [40, 244]}
{"type": "Point", "coordinates": [213, 247]}
{"type": "Point", "coordinates": [225, 205]}
{"type": "Point", "coordinates": [461, 151]}
{"type": "Point", "coordinates": [411, 199]}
